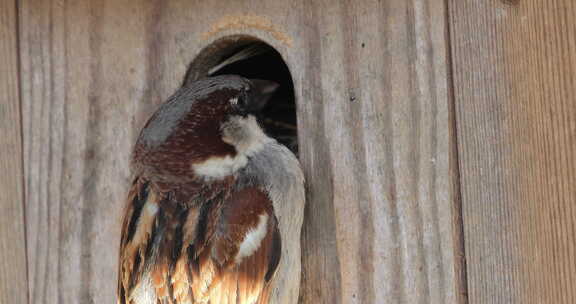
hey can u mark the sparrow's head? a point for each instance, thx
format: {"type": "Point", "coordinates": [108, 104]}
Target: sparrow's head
{"type": "Point", "coordinates": [205, 130]}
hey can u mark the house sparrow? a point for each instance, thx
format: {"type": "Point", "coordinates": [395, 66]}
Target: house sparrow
{"type": "Point", "coordinates": [215, 209]}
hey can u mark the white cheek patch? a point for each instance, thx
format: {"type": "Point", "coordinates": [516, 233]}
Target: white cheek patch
{"type": "Point", "coordinates": [220, 167]}
{"type": "Point", "coordinates": [252, 239]}
{"type": "Point", "coordinates": [246, 136]}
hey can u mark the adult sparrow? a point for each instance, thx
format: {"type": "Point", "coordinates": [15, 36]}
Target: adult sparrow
{"type": "Point", "coordinates": [215, 208]}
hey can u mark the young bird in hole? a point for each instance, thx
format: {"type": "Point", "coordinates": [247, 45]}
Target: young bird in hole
{"type": "Point", "coordinates": [215, 209]}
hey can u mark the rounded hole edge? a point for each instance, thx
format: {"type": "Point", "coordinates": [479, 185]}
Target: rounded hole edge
{"type": "Point", "coordinates": [278, 118]}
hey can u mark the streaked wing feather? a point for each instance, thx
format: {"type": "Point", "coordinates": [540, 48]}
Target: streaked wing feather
{"type": "Point", "coordinates": [193, 254]}
{"type": "Point", "coordinates": [137, 227]}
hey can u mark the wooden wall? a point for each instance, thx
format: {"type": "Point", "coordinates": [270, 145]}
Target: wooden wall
{"type": "Point", "coordinates": [412, 114]}
{"type": "Point", "coordinates": [514, 74]}
{"type": "Point", "coordinates": [13, 276]}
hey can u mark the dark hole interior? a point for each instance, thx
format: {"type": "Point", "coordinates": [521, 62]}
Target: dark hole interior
{"type": "Point", "coordinates": [278, 117]}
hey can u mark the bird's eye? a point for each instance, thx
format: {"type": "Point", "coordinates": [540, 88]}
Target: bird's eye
{"type": "Point", "coordinates": [239, 103]}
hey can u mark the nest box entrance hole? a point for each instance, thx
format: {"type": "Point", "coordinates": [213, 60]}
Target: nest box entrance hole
{"type": "Point", "coordinates": [254, 59]}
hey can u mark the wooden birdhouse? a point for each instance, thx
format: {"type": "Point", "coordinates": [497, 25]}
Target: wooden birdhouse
{"type": "Point", "coordinates": [437, 138]}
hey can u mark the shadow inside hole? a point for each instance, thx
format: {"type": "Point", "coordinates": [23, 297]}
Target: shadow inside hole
{"type": "Point", "coordinates": [278, 117]}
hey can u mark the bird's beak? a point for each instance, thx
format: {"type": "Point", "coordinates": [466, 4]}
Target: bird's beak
{"type": "Point", "coordinates": [263, 91]}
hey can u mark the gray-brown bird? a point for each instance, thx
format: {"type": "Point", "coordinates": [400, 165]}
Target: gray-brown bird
{"type": "Point", "coordinates": [215, 209]}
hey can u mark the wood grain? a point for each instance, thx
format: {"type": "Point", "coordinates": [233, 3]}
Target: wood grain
{"type": "Point", "coordinates": [83, 86]}
{"type": "Point", "coordinates": [514, 64]}
{"type": "Point", "coordinates": [376, 140]}
{"type": "Point", "coordinates": [375, 129]}
{"type": "Point", "coordinates": [13, 280]}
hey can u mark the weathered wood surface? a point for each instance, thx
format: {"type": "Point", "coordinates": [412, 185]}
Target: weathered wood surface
{"type": "Point", "coordinates": [13, 282]}
{"type": "Point", "coordinates": [375, 144]}
{"type": "Point", "coordinates": [514, 64]}
{"type": "Point", "coordinates": [374, 125]}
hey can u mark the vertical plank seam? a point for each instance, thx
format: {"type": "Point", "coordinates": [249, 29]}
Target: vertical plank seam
{"type": "Point", "coordinates": [21, 123]}
{"type": "Point", "coordinates": [458, 224]}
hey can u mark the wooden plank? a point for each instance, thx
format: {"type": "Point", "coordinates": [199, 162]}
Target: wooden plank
{"type": "Point", "coordinates": [514, 66]}
{"type": "Point", "coordinates": [377, 152]}
{"type": "Point", "coordinates": [83, 82]}
{"type": "Point", "coordinates": [13, 280]}
{"type": "Point", "coordinates": [374, 124]}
